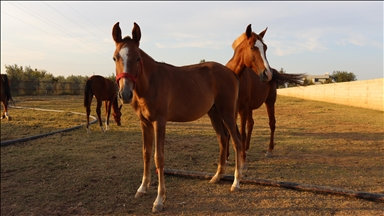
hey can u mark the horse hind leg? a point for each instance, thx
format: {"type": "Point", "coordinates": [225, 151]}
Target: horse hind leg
{"type": "Point", "coordinates": [227, 116]}
{"type": "Point", "coordinates": [272, 126]}
{"type": "Point", "coordinates": [223, 139]}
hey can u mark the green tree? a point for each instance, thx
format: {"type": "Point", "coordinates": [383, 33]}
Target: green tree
{"type": "Point", "coordinates": [202, 60]}
{"type": "Point", "coordinates": [343, 76]}
{"type": "Point", "coordinates": [308, 82]}
{"type": "Point", "coordinates": [112, 77]}
{"type": "Point", "coordinates": [329, 80]}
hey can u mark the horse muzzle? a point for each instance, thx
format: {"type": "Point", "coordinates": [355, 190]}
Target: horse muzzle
{"type": "Point", "coordinates": [125, 96]}
{"type": "Point", "coordinates": [266, 76]}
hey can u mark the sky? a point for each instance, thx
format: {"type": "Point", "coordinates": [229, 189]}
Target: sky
{"type": "Point", "coordinates": [68, 38]}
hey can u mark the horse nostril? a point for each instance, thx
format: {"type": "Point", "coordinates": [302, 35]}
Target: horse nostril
{"type": "Point", "coordinates": [265, 73]}
{"type": "Point", "coordinates": [131, 96]}
{"type": "Point", "coordinates": [263, 76]}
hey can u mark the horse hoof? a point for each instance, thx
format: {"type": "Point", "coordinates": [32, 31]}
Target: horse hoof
{"type": "Point", "coordinates": [234, 189]}
{"type": "Point", "coordinates": [139, 194]}
{"type": "Point", "coordinates": [268, 154]}
{"type": "Point", "coordinates": [157, 208]}
{"type": "Point", "coordinates": [214, 180]}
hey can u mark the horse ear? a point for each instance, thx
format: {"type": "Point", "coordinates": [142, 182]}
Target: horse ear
{"type": "Point", "coordinates": [136, 33]}
{"type": "Point", "coordinates": [116, 33]}
{"type": "Point", "coordinates": [263, 33]}
{"type": "Point", "coordinates": [248, 32]}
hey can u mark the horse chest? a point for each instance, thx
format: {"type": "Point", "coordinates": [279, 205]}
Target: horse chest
{"type": "Point", "coordinates": [147, 111]}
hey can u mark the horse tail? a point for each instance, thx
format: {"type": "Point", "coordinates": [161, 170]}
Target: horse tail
{"type": "Point", "coordinates": [282, 78]}
{"type": "Point", "coordinates": [87, 92]}
{"type": "Point", "coordinates": [7, 88]}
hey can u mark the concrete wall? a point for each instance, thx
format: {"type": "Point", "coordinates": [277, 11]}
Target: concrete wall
{"type": "Point", "coordinates": [365, 94]}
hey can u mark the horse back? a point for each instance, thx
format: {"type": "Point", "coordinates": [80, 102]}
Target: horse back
{"type": "Point", "coordinates": [188, 92]}
{"type": "Point", "coordinates": [102, 88]}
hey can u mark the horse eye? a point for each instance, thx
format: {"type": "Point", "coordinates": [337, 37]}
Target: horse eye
{"type": "Point", "coordinates": [114, 59]}
{"type": "Point", "coordinates": [138, 59]}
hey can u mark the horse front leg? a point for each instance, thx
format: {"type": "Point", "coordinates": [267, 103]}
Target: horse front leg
{"type": "Point", "coordinates": [108, 106]}
{"type": "Point", "coordinates": [5, 111]}
{"type": "Point", "coordinates": [98, 111]}
{"type": "Point", "coordinates": [159, 161]}
{"type": "Point", "coordinates": [147, 136]}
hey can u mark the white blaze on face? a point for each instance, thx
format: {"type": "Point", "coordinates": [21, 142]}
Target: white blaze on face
{"type": "Point", "coordinates": [259, 45]}
{"type": "Point", "coordinates": [124, 55]}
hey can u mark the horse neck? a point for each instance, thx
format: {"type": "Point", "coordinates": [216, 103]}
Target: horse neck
{"type": "Point", "coordinates": [148, 66]}
{"type": "Point", "coordinates": [236, 63]}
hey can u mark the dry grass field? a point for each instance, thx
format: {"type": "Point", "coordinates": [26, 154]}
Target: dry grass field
{"type": "Point", "coordinates": [80, 173]}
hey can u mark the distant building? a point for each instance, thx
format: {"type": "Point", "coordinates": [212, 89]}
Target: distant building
{"type": "Point", "coordinates": [317, 79]}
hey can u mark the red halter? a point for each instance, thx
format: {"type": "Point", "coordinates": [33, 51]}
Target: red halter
{"type": "Point", "coordinates": [129, 75]}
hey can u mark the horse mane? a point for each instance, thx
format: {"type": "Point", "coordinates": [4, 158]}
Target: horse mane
{"type": "Point", "coordinates": [238, 40]}
{"type": "Point", "coordinates": [243, 37]}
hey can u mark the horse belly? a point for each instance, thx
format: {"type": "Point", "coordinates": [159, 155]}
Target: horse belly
{"type": "Point", "coordinates": [189, 108]}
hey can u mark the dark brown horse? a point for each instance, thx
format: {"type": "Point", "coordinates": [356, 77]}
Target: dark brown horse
{"type": "Point", "coordinates": [104, 90]}
{"type": "Point", "coordinates": [160, 92]}
{"type": "Point", "coordinates": [254, 90]}
{"type": "Point", "coordinates": [5, 95]}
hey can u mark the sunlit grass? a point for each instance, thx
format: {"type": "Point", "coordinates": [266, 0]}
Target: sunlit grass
{"type": "Point", "coordinates": [76, 173]}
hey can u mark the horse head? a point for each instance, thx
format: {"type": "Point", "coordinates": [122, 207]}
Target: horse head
{"type": "Point", "coordinates": [127, 60]}
{"type": "Point", "coordinates": [251, 50]}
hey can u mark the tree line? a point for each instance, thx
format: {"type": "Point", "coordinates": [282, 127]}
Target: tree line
{"type": "Point", "coordinates": [335, 77]}
{"type": "Point", "coordinates": [28, 81]}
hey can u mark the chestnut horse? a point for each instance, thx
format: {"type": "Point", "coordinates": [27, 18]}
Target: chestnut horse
{"type": "Point", "coordinates": [256, 89]}
{"type": "Point", "coordinates": [104, 90]}
{"type": "Point", "coordinates": [5, 95]}
{"type": "Point", "coordinates": [160, 92]}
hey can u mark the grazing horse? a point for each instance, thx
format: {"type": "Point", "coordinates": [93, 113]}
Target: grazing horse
{"type": "Point", "coordinates": [5, 95]}
{"type": "Point", "coordinates": [256, 88]}
{"type": "Point", "coordinates": [160, 92]}
{"type": "Point", "coordinates": [104, 90]}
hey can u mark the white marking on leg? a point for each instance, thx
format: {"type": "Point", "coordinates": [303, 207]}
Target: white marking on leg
{"type": "Point", "coordinates": [142, 189]}
{"type": "Point", "coordinates": [106, 126]}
